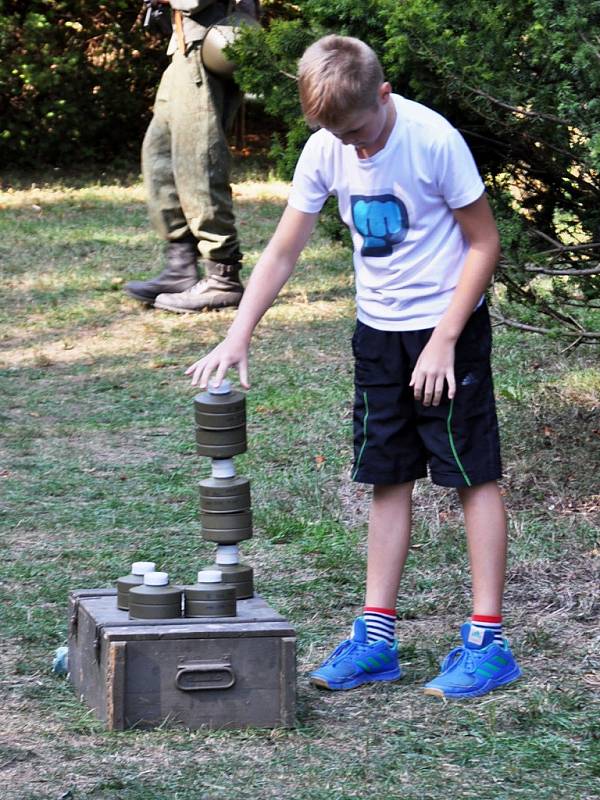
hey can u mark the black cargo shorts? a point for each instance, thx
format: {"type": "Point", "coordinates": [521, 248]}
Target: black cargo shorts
{"type": "Point", "coordinates": [396, 437]}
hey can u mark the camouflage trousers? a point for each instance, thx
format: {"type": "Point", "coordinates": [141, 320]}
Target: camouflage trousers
{"type": "Point", "coordinates": [186, 161]}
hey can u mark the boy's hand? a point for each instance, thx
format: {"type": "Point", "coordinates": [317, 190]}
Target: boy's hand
{"type": "Point", "coordinates": [434, 367]}
{"type": "Point", "coordinates": [225, 355]}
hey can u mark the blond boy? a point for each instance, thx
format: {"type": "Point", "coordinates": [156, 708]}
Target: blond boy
{"type": "Point", "coordinates": [425, 248]}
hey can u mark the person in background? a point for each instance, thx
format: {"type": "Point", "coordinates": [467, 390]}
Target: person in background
{"type": "Point", "coordinates": [186, 171]}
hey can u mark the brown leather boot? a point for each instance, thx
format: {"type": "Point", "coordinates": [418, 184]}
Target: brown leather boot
{"type": "Point", "coordinates": [180, 273]}
{"type": "Point", "coordinates": [221, 288]}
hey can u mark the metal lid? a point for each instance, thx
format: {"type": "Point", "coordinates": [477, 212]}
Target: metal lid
{"type": "Point", "coordinates": [223, 388]}
{"type": "Point", "coordinates": [141, 567]}
{"type": "Point", "coordinates": [227, 554]}
{"type": "Point", "coordinates": [218, 37]}
{"type": "Point", "coordinates": [210, 576]}
{"type": "Point", "coordinates": [156, 579]}
{"type": "Point", "coordinates": [223, 468]}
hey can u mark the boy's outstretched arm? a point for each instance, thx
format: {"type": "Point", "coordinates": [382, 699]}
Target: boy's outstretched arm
{"type": "Point", "coordinates": [272, 270]}
{"type": "Point", "coordinates": [435, 365]}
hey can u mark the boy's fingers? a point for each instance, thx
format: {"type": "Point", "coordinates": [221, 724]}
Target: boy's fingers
{"type": "Point", "coordinates": [439, 390]}
{"type": "Point", "coordinates": [427, 391]}
{"type": "Point", "coordinates": [451, 384]}
{"type": "Point", "coordinates": [220, 374]}
{"type": "Point", "coordinates": [206, 373]}
{"type": "Point", "coordinates": [243, 370]}
{"type": "Point", "coordinates": [196, 375]}
{"type": "Point", "coordinates": [191, 368]}
{"type": "Point", "coordinates": [416, 382]}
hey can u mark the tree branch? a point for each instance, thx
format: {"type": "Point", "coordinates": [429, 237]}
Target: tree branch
{"type": "Point", "coordinates": [566, 272]}
{"type": "Point", "coordinates": [589, 335]}
{"type": "Point", "coordinates": [516, 109]}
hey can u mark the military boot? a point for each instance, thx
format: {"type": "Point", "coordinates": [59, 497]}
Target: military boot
{"type": "Point", "coordinates": [180, 273]}
{"type": "Point", "coordinates": [221, 288]}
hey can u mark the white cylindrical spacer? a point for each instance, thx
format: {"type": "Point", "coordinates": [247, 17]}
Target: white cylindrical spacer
{"type": "Point", "coordinates": [156, 579]}
{"type": "Point", "coordinates": [141, 567]}
{"type": "Point", "coordinates": [223, 468]}
{"type": "Point", "coordinates": [210, 576]}
{"type": "Point", "coordinates": [223, 388]}
{"type": "Point", "coordinates": [227, 554]}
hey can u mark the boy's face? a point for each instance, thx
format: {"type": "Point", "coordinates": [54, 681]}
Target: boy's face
{"type": "Point", "coordinates": [368, 129]}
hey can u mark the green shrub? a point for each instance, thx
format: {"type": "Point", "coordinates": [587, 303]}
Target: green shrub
{"type": "Point", "coordinates": [76, 81]}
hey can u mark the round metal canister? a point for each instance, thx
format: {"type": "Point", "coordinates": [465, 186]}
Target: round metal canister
{"type": "Point", "coordinates": [241, 519]}
{"type": "Point", "coordinates": [155, 598]}
{"type": "Point", "coordinates": [220, 422]}
{"type": "Point", "coordinates": [227, 528]}
{"type": "Point", "coordinates": [240, 576]}
{"type": "Point", "coordinates": [224, 495]}
{"type": "Point", "coordinates": [135, 578]}
{"type": "Point", "coordinates": [222, 443]}
{"type": "Point", "coordinates": [210, 597]}
{"type": "Point", "coordinates": [217, 39]}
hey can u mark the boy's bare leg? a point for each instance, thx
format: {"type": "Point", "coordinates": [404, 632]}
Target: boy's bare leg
{"type": "Point", "coordinates": [388, 541]}
{"type": "Point", "coordinates": [485, 521]}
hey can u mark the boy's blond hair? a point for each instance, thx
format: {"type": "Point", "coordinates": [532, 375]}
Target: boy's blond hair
{"type": "Point", "coordinates": [337, 76]}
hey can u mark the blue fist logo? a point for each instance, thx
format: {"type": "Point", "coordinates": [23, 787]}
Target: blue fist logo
{"type": "Point", "coordinates": [382, 220]}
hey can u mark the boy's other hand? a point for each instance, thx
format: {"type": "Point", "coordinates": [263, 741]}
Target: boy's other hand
{"type": "Point", "coordinates": [225, 355]}
{"type": "Point", "coordinates": [434, 368]}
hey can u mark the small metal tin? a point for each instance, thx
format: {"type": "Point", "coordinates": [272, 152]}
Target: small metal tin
{"type": "Point", "coordinates": [128, 582]}
{"type": "Point", "coordinates": [210, 599]}
{"type": "Point", "coordinates": [230, 419]}
{"type": "Point", "coordinates": [214, 521]}
{"type": "Point", "coordinates": [230, 403]}
{"type": "Point", "coordinates": [210, 437]}
{"type": "Point", "coordinates": [124, 585]}
{"type": "Point", "coordinates": [155, 602]}
{"type": "Point", "coordinates": [216, 491]}
{"type": "Point", "coordinates": [226, 528]}
{"type": "Point", "coordinates": [240, 576]}
{"type": "Point", "coordinates": [221, 450]}
{"type": "Point", "coordinates": [223, 536]}
{"type": "Point", "coordinates": [222, 443]}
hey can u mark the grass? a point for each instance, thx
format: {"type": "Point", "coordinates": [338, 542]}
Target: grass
{"type": "Point", "coordinates": [98, 469]}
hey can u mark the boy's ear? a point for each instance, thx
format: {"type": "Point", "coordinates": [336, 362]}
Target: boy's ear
{"type": "Point", "coordinates": [385, 90]}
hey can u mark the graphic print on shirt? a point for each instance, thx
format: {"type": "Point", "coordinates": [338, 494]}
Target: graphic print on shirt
{"type": "Point", "coordinates": [382, 220]}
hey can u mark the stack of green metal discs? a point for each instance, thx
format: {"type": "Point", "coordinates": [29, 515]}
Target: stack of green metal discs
{"type": "Point", "coordinates": [220, 422]}
{"type": "Point", "coordinates": [225, 504]}
{"type": "Point", "coordinates": [225, 510]}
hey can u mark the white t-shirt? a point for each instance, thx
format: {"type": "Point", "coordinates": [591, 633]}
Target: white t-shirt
{"type": "Point", "coordinates": [408, 248]}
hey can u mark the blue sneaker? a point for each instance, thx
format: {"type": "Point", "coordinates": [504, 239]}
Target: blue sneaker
{"type": "Point", "coordinates": [355, 662]}
{"type": "Point", "coordinates": [475, 668]}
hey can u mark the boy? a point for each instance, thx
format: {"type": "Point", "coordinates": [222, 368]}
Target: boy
{"type": "Point", "coordinates": [425, 248]}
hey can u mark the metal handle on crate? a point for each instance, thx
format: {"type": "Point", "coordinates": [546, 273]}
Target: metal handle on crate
{"type": "Point", "coordinates": [200, 675]}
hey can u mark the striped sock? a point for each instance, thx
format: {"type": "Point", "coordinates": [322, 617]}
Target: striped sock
{"type": "Point", "coordinates": [381, 624]}
{"type": "Point", "coordinates": [489, 623]}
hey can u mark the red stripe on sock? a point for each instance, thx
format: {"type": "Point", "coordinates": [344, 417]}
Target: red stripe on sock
{"type": "Point", "coordinates": [484, 618]}
{"type": "Point", "coordinates": [390, 612]}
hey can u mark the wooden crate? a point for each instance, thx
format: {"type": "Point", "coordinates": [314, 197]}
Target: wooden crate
{"type": "Point", "coordinates": [231, 672]}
